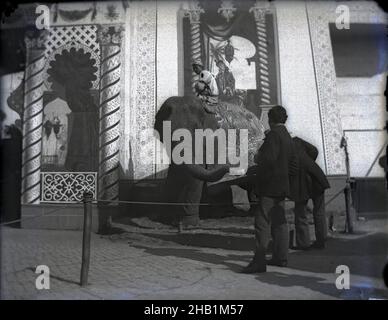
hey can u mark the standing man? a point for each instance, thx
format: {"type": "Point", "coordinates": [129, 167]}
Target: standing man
{"type": "Point", "coordinates": [311, 183]}
{"type": "Point", "coordinates": [276, 164]}
{"type": "Point", "coordinates": [225, 80]}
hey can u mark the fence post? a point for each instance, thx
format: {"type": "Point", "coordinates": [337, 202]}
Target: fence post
{"type": "Point", "coordinates": [88, 196]}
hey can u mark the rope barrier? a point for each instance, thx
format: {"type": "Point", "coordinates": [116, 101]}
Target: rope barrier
{"type": "Point", "coordinates": [335, 196]}
{"type": "Point", "coordinates": [174, 203]}
{"type": "Point", "coordinates": [28, 218]}
{"type": "Point", "coordinates": [159, 203]}
{"type": "Point", "coordinates": [194, 203]}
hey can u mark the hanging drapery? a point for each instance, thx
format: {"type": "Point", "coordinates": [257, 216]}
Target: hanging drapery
{"type": "Point", "coordinates": [242, 25]}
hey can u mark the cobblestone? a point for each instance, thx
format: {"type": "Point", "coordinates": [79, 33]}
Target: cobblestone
{"type": "Point", "coordinates": [143, 263]}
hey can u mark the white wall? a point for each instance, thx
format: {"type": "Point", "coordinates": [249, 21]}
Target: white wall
{"type": "Point", "coordinates": [362, 105]}
{"type": "Point", "coordinates": [298, 83]}
{"type": "Point", "coordinates": [169, 60]}
{"type": "Point", "coordinates": [167, 51]}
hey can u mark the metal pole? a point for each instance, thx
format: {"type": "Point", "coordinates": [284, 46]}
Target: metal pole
{"type": "Point", "coordinates": [347, 190]}
{"type": "Point", "coordinates": [88, 196]}
{"type": "Point", "coordinates": [348, 207]}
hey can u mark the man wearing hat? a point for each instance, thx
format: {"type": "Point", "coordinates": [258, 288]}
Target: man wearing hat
{"type": "Point", "coordinates": [206, 86]}
{"type": "Point", "coordinates": [310, 183]}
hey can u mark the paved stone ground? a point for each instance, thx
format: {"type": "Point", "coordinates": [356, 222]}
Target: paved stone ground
{"type": "Point", "coordinates": [148, 260]}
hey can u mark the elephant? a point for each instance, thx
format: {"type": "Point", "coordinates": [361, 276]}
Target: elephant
{"type": "Point", "coordinates": [185, 181]}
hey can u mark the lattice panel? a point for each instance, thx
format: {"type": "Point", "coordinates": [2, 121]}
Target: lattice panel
{"type": "Point", "coordinates": [84, 34]}
{"type": "Point", "coordinates": [66, 37]}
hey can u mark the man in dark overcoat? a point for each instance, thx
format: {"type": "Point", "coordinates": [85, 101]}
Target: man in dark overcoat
{"type": "Point", "coordinates": [310, 183]}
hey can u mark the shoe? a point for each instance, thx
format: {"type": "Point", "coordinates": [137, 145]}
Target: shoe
{"type": "Point", "coordinates": [277, 263]}
{"type": "Point", "coordinates": [318, 245]}
{"type": "Point", "coordinates": [254, 267]}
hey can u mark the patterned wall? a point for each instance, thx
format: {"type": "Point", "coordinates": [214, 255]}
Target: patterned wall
{"type": "Point", "coordinates": [142, 87]}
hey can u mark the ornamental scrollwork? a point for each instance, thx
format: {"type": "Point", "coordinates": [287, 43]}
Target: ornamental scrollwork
{"type": "Point", "coordinates": [58, 187]}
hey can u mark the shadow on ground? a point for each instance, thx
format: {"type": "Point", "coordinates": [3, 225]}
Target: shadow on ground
{"type": "Point", "coordinates": [319, 284]}
{"type": "Point", "coordinates": [198, 255]}
{"type": "Point", "coordinates": [208, 240]}
{"type": "Point", "coordinates": [364, 253]}
{"type": "Point", "coordinates": [365, 256]}
{"type": "Point", "coordinates": [53, 276]}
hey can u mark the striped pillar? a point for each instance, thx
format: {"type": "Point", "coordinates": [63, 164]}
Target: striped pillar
{"type": "Point", "coordinates": [259, 11]}
{"type": "Point", "coordinates": [33, 118]}
{"type": "Point", "coordinates": [109, 38]}
{"type": "Point", "coordinates": [194, 14]}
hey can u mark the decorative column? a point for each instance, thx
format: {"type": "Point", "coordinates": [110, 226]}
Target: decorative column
{"type": "Point", "coordinates": [33, 117]}
{"type": "Point", "coordinates": [260, 9]}
{"type": "Point", "coordinates": [194, 14]}
{"type": "Point", "coordinates": [109, 38]}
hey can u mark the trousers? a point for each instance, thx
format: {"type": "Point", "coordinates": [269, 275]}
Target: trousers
{"type": "Point", "coordinates": [301, 221]}
{"type": "Point", "coordinates": [270, 220]}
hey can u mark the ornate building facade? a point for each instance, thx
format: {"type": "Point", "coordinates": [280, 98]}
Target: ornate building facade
{"type": "Point", "coordinates": [111, 65]}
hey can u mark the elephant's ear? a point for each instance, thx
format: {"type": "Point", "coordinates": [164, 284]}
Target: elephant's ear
{"type": "Point", "coordinates": [204, 119]}
{"type": "Point", "coordinates": [163, 114]}
{"type": "Point", "coordinates": [185, 112]}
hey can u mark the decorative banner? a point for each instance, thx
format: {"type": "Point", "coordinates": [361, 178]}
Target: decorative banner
{"type": "Point", "coordinates": [143, 87]}
{"type": "Point", "coordinates": [318, 17]}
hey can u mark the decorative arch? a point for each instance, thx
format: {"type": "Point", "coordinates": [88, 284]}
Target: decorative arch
{"type": "Point", "coordinates": [69, 45]}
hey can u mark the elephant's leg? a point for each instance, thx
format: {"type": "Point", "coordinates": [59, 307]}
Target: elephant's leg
{"type": "Point", "coordinates": [191, 197]}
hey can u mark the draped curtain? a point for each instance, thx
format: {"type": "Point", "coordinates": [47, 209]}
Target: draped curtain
{"type": "Point", "coordinates": [239, 26]}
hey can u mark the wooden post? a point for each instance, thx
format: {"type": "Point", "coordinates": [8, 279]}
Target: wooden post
{"type": "Point", "coordinates": [88, 196]}
{"type": "Point", "coordinates": [349, 209]}
{"type": "Point", "coordinates": [347, 191]}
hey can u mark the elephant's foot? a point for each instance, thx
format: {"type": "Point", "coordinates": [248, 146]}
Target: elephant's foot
{"type": "Point", "coordinates": [104, 220]}
{"type": "Point", "coordinates": [189, 221]}
{"type": "Point", "coordinates": [105, 230]}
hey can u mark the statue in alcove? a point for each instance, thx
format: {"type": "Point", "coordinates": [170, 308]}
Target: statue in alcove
{"type": "Point", "coordinates": [71, 74]}
{"type": "Point", "coordinates": [225, 81]}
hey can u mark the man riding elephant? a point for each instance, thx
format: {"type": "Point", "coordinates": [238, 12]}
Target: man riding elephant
{"type": "Point", "coordinates": [206, 87]}
{"type": "Point", "coordinates": [185, 180]}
